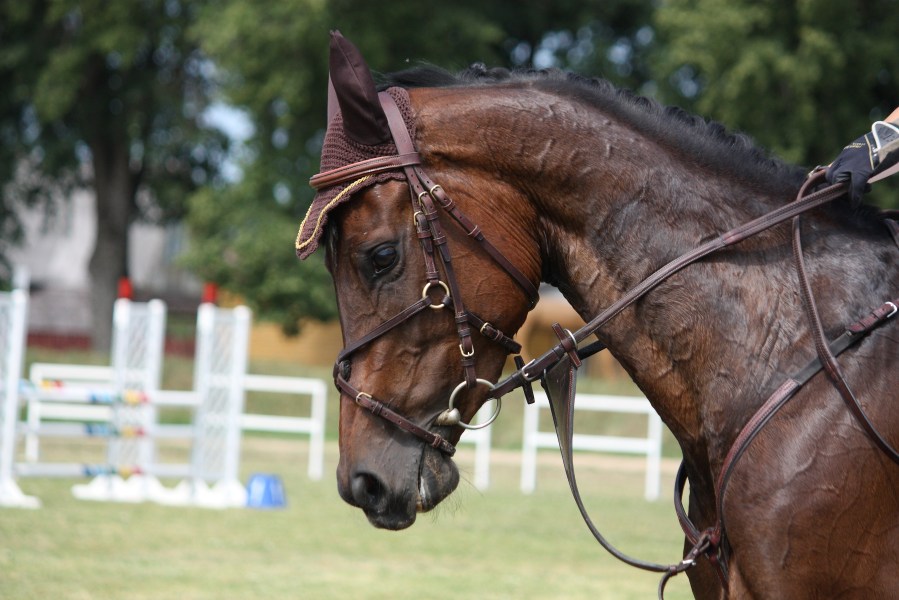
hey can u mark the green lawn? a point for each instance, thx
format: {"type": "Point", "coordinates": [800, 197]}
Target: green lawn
{"type": "Point", "coordinates": [496, 544]}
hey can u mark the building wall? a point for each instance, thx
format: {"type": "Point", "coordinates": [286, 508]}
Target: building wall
{"type": "Point", "coordinates": [56, 254]}
{"type": "Point", "coordinates": [317, 344]}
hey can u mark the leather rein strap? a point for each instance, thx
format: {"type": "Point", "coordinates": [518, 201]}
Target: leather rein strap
{"type": "Point", "coordinates": [426, 198]}
{"type": "Point", "coordinates": [709, 541]}
{"type": "Point", "coordinates": [535, 368]}
{"type": "Point", "coordinates": [825, 356]}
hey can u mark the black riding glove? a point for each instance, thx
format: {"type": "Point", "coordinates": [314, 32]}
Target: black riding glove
{"type": "Point", "coordinates": [870, 154]}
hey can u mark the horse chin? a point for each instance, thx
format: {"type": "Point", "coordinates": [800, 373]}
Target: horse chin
{"type": "Point", "coordinates": [438, 478]}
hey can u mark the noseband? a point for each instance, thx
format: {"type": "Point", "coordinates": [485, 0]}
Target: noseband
{"type": "Point", "coordinates": [426, 197]}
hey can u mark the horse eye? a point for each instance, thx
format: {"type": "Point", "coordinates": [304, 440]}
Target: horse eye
{"type": "Point", "coordinates": [383, 258]}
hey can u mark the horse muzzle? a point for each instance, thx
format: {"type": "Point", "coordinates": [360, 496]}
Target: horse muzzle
{"type": "Point", "coordinates": [392, 494]}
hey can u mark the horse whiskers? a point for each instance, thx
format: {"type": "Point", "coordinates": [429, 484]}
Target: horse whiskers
{"type": "Point", "coordinates": [449, 506]}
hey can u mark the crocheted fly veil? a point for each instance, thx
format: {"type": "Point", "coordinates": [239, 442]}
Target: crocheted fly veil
{"type": "Point", "coordinates": [357, 131]}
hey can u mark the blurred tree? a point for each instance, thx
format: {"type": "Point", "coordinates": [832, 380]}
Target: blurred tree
{"type": "Point", "coordinates": [803, 78]}
{"type": "Point", "coordinates": [109, 96]}
{"type": "Point", "coordinates": [605, 38]}
{"type": "Point", "coordinates": [272, 63]}
{"type": "Point", "coordinates": [271, 59]}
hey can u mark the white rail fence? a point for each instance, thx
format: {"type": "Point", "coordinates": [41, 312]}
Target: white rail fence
{"type": "Point", "coordinates": [534, 438]}
{"type": "Point", "coordinates": [120, 403]}
{"type": "Point", "coordinates": [313, 425]}
{"type": "Point", "coordinates": [481, 439]}
{"type": "Point", "coordinates": [650, 446]}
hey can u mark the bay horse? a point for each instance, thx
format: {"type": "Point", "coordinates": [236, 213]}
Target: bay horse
{"type": "Point", "coordinates": [518, 178]}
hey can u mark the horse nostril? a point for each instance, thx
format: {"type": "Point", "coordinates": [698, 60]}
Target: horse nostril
{"type": "Point", "coordinates": [368, 491]}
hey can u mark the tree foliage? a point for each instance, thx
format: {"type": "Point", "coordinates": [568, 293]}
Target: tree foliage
{"type": "Point", "coordinates": [108, 96]}
{"type": "Point", "coordinates": [271, 59]}
{"type": "Point", "coordinates": [803, 78]}
{"type": "Point", "coordinates": [115, 96]}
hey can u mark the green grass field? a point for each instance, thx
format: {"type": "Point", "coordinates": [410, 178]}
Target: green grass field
{"type": "Point", "coordinates": [495, 544]}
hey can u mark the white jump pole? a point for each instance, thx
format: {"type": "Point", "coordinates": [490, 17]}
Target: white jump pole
{"type": "Point", "coordinates": [219, 368]}
{"type": "Point", "coordinates": [13, 315]}
{"type": "Point", "coordinates": [137, 349]}
{"type": "Point", "coordinates": [137, 367]}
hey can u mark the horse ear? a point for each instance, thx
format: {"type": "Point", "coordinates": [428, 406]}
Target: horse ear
{"type": "Point", "coordinates": [333, 105]}
{"type": "Point", "coordinates": [363, 118]}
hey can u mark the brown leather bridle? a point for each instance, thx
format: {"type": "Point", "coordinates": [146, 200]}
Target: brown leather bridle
{"type": "Point", "coordinates": [562, 360]}
{"type": "Point", "coordinates": [426, 197]}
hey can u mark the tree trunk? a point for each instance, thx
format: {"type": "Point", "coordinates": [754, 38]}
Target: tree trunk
{"type": "Point", "coordinates": [115, 187]}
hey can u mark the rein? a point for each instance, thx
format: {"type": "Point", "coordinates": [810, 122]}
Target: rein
{"type": "Point", "coordinates": [533, 370]}
{"type": "Point", "coordinates": [558, 366]}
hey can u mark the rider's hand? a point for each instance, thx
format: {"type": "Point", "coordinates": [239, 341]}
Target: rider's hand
{"type": "Point", "coordinates": [865, 157]}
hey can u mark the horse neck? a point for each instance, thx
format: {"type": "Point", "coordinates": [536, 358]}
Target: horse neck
{"type": "Point", "coordinates": [709, 344]}
{"type": "Point", "coordinates": [612, 204]}
{"type": "Point", "coordinates": [671, 342]}
{"type": "Point", "coordinates": [608, 203]}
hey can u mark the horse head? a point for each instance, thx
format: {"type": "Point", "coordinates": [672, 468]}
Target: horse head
{"type": "Point", "coordinates": [406, 277]}
{"type": "Point", "coordinates": [443, 206]}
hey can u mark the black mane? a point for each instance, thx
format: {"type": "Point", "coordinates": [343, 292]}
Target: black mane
{"type": "Point", "coordinates": [710, 142]}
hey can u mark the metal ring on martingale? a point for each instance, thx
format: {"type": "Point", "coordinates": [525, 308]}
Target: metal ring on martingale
{"type": "Point", "coordinates": [427, 288]}
{"type": "Point", "coordinates": [571, 335]}
{"type": "Point", "coordinates": [452, 416]}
